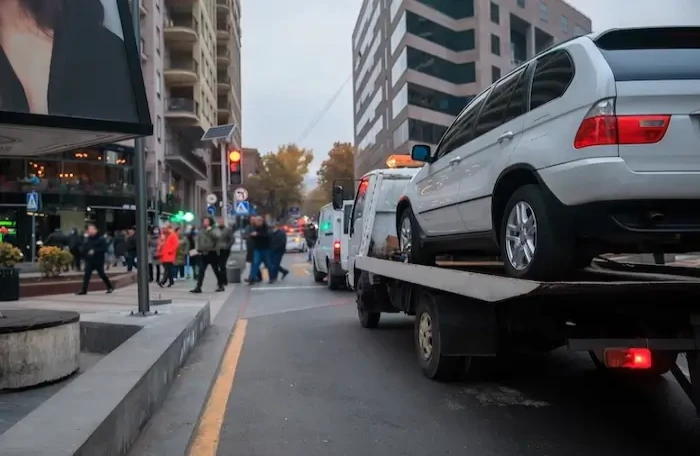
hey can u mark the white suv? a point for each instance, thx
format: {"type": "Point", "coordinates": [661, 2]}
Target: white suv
{"type": "Point", "coordinates": [591, 147]}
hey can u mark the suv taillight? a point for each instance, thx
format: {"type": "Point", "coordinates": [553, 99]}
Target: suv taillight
{"type": "Point", "coordinates": [336, 251]}
{"type": "Point", "coordinates": [602, 127]}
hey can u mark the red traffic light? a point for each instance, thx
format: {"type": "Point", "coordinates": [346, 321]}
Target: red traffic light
{"type": "Point", "coordinates": [234, 156]}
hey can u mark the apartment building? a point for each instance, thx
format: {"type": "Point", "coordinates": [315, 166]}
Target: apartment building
{"type": "Point", "coordinates": [416, 63]}
{"type": "Point", "coordinates": [191, 56]}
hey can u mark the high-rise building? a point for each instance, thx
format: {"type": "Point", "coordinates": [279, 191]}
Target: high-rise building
{"type": "Point", "coordinates": [416, 63]}
{"type": "Point", "coordinates": [191, 62]}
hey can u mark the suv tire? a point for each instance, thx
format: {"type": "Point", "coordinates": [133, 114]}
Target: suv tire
{"type": "Point", "coordinates": [417, 254]}
{"type": "Point", "coordinates": [553, 256]}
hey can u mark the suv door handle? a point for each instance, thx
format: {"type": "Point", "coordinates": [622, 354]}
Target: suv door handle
{"type": "Point", "coordinates": [507, 135]}
{"type": "Point", "coordinates": [455, 161]}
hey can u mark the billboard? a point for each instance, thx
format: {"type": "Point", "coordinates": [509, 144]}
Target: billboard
{"type": "Point", "coordinates": [70, 76]}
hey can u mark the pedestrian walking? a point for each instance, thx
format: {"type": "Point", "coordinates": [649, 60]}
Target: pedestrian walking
{"type": "Point", "coordinates": [168, 255]}
{"type": "Point", "coordinates": [94, 249]}
{"type": "Point", "coordinates": [130, 249]}
{"type": "Point", "coordinates": [260, 242]}
{"type": "Point", "coordinates": [110, 256]}
{"type": "Point", "coordinates": [311, 236]}
{"type": "Point", "coordinates": [206, 243]}
{"type": "Point", "coordinates": [278, 247]}
{"type": "Point", "coordinates": [183, 250]}
{"type": "Point", "coordinates": [153, 261]}
{"type": "Point", "coordinates": [75, 241]}
{"type": "Point", "coordinates": [224, 247]}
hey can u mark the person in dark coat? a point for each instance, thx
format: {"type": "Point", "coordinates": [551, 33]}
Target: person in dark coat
{"type": "Point", "coordinates": [278, 247]}
{"type": "Point", "coordinates": [130, 249]}
{"type": "Point", "coordinates": [94, 249]}
{"type": "Point", "coordinates": [75, 241]}
{"type": "Point", "coordinates": [260, 243]}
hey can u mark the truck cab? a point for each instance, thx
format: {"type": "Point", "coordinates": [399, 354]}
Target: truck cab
{"type": "Point", "coordinates": [372, 225]}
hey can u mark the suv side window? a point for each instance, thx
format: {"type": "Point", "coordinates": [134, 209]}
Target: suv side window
{"type": "Point", "coordinates": [359, 205]}
{"type": "Point", "coordinates": [553, 74]}
{"type": "Point", "coordinates": [495, 108]}
{"type": "Point", "coordinates": [462, 130]}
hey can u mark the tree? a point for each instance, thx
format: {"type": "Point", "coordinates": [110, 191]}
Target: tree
{"type": "Point", "coordinates": [314, 201]}
{"type": "Point", "coordinates": [339, 166]}
{"type": "Point", "coordinates": [279, 184]}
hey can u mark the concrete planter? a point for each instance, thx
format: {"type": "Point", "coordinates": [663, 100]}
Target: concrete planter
{"type": "Point", "coordinates": [9, 284]}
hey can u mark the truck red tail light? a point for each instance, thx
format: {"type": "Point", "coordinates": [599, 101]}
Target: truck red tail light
{"type": "Point", "coordinates": [628, 358]}
{"type": "Point", "coordinates": [336, 251]}
{"type": "Point", "coordinates": [602, 127]}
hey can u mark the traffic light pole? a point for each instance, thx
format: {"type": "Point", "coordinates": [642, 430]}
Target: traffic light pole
{"type": "Point", "coordinates": [224, 182]}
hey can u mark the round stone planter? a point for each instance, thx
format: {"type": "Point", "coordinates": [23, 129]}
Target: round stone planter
{"type": "Point", "coordinates": [38, 346]}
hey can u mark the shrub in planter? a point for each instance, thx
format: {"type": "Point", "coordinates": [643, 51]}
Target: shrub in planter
{"type": "Point", "coordinates": [54, 261]}
{"type": "Point", "coordinates": [9, 276]}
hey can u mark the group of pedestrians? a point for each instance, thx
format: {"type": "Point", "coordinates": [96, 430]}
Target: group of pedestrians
{"type": "Point", "coordinates": [266, 246]}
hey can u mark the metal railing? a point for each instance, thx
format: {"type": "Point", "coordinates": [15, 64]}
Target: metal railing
{"type": "Point", "coordinates": [182, 105]}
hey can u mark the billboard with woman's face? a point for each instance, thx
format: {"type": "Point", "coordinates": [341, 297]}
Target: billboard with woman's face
{"type": "Point", "coordinates": [69, 66]}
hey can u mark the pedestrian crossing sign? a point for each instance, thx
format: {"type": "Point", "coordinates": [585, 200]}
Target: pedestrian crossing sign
{"type": "Point", "coordinates": [242, 208]}
{"type": "Point", "coordinates": [32, 201]}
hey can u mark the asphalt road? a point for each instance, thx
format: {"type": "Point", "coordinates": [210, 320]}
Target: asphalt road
{"type": "Point", "coordinates": [302, 378]}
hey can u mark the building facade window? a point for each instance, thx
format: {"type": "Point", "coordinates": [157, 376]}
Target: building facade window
{"type": "Point", "coordinates": [544, 12]}
{"type": "Point", "coordinates": [400, 135]}
{"type": "Point", "coordinates": [425, 132]}
{"type": "Point", "coordinates": [432, 31]}
{"type": "Point", "coordinates": [455, 9]}
{"type": "Point", "coordinates": [159, 84]}
{"type": "Point", "coordinates": [400, 67]}
{"type": "Point", "coordinates": [495, 13]}
{"type": "Point", "coordinates": [579, 31]}
{"type": "Point", "coordinates": [495, 45]}
{"type": "Point", "coordinates": [159, 129]}
{"type": "Point", "coordinates": [398, 33]}
{"type": "Point", "coordinates": [456, 73]}
{"type": "Point", "coordinates": [564, 24]}
{"type": "Point", "coordinates": [435, 100]}
{"type": "Point", "coordinates": [495, 73]}
{"type": "Point", "coordinates": [400, 101]}
{"type": "Point", "coordinates": [521, 3]}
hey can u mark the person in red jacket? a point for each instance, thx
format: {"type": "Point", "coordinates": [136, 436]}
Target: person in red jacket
{"type": "Point", "coordinates": [168, 254]}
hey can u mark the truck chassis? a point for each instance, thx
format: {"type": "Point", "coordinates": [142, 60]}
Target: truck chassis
{"type": "Point", "coordinates": [464, 317]}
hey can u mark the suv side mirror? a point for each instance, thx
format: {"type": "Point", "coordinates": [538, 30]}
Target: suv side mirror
{"type": "Point", "coordinates": [338, 197]}
{"type": "Point", "coordinates": [421, 153]}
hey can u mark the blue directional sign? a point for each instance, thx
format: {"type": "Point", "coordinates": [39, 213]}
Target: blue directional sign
{"type": "Point", "coordinates": [33, 201]}
{"type": "Point", "coordinates": [211, 210]}
{"type": "Point", "coordinates": [242, 208]}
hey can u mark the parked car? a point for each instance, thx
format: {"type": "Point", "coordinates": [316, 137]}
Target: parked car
{"type": "Point", "coordinates": [591, 147]}
{"type": "Point", "coordinates": [329, 257]}
{"type": "Point", "coordinates": [295, 241]}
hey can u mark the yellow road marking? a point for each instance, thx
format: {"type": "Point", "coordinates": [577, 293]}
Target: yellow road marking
{"type": "Point", "coordinates": [300, 269]}
{"type": "Point", "coordinates": [208, 432]}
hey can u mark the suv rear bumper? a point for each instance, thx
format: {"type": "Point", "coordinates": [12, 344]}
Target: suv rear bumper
{"type": "Point", "coordinates": [609, 179]}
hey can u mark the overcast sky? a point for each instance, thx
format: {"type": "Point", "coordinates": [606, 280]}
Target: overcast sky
{"type": "Point", "coordinates": [296, 55]}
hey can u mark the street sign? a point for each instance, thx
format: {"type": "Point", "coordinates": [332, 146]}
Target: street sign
{"type": "Point", "coordinates": [212, 199]}
{"type": "Point", "coordinates": [240, 194]}
{"type": "Point", "coordinates": [32, 201]}
{"type": "Point", "coordinates": [242, 208]}
{"type": "Point", "coordinates": [211, 210]}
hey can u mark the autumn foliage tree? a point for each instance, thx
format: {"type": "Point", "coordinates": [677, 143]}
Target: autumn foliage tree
{"type": "Point", "coordinates": [339, 166]}
{"type": "Point", "coordinates": [314, 201]}
{"type": "Point", "coordinates": [280, 181]}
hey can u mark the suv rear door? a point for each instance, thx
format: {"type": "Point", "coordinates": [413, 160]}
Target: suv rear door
{"type": "Point", "coordinates": [657, 77]}
{"type": "Point", "coordinates": [345, 236]}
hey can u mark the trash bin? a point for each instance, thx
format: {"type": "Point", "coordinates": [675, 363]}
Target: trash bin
{"type": "Point", "coordinates": [235, 266]}
{"type": "Point", "coordinates": [234, 275]}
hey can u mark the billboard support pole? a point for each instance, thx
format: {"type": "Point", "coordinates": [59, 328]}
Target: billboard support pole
{"type": "Point", "coordinates": [141, 200]}
{"type": "Point", "coordinates": [224, 183]}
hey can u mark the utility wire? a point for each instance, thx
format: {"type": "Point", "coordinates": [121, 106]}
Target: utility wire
{"type": "Point", "coordinates": [323, 111]}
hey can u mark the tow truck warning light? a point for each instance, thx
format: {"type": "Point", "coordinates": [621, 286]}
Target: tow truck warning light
{"type": "Point", "coordinates": [402, 161]}
{"type": "Point", "coordinates": [628, 358]}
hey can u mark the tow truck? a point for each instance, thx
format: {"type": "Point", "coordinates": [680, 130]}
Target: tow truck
{"type": "Point", "coordinates": [634, 318]}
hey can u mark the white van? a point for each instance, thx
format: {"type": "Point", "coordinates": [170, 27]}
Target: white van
{"type": "Point", "coordinates": [330, 254]}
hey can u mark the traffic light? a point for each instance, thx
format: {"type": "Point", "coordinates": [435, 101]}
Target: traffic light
{"type": "Point", "coordinates": [234, 165]}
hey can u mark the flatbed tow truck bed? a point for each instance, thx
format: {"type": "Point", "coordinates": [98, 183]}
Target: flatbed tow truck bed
{"type": "Point", "coordinates": [632, 318]}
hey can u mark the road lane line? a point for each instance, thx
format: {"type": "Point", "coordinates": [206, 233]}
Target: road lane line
{"type": "Point", "coordinates": [208, 433]}
{"type": "Point", "coordinates": [300, 287]}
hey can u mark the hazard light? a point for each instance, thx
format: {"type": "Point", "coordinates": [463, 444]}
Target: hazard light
{"type": "Point", "coordinates": [628, 358]}
{"type": "Point", "coordinates": [402, 161]}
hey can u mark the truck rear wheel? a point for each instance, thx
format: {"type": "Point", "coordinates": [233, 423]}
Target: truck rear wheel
{"type": "Point", "coordinates": [366, 305]}
{"type": "Point", "coordinates": [434, 364]}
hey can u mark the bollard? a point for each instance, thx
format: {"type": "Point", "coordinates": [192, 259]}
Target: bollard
{"type": "Point", "coordinates": [234, 275]}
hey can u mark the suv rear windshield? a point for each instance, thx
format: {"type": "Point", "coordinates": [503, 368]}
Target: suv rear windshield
{"type": "Point", "coordinates": [652, 54]}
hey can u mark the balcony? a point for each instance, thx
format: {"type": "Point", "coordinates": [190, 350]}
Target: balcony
{"type": "Point", "coordinates": [223, 85]}
{"type": "Point", "coordinates": [223, 34]}
{"type": "Point", "coordinates": [223, 58]}
{"type": "Point", "coordinates": [182, 109]}
{"type": "Point", "coordinates": [223, 106]}
{"type": "Point", "coordinates": [181, 73]}
{"type": "Point", "coordinates": [223, 7]}
{"type": "Point", "coordinates": [180, 32]}
{"type": "Point", "coordinates": [184, 162]}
